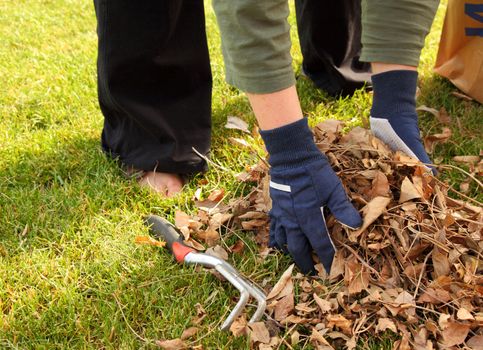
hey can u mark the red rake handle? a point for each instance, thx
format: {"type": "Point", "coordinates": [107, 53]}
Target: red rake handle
{"type": "Point", "coordinates": [164, 230]}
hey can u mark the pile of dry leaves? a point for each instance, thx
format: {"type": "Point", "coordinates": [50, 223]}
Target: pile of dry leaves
{"type": "Point", "coordinates": [414, 268]}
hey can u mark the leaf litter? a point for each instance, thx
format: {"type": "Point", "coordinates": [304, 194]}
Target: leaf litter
{"type": "Point", "coordinates": [414, 268]}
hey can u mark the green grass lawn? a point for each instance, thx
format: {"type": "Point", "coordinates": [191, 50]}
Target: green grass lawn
{"type": "Point", "coordinates": [71, 275]}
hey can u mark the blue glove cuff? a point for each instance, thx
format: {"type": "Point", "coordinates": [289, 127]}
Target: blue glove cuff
{"type": "Point", "coordinates": [394, 93]}
{"type": "Point", "coordinates": [291, 145]}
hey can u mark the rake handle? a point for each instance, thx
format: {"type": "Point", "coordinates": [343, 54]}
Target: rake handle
{"type": "Point", "coordinates": [164, 230]}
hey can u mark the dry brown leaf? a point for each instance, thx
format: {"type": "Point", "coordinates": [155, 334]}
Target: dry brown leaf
{"type": "Point", "coordinates": [238, 247]}
{"type": "Point", "coordinates": [194, 244]}
{"type": "Point", "coordinates": [237, 123]}
{"type": "Point", "coordinates": [356, 276]}
{"type": "Point", "coordinates": [435, 296]}
{"type": "Point", "coordinates": [219, 219]}
{"type": "Point", "coordinates": [239, 326]}
{"type": "Point", "coordinates": [189, 332]}
{"type": "Point", "coordinates": [371, 212]}
{"type": "Point", "coordinates": [210, 236]}
{"type": "Point", "coordinates": [467, 159]}
{"type": "Point", "coordinates": [475, 342]}
{"type": "Point", "coordinates": [304, 308]}
{"type": "Point", "coordinates": [441, 263]}
{"type": "Point", "coordinates": [340, 322]}
{"type": "Point", "coordinates": [431, 140]}
{"type": "Point", "coordinates": [380, 186]}
{"type": "Point", "coordinates": [253, 224]}
{"type": "Point", "coordinates": [324, 305]}
{"type": "Point", "coordinates": [294, 338]}
{"type": "Point", "coordinates": [431, 110]}
{"type": "Point", "coordinates": [294, 319]}
{"type": "Point", "coordinates": [338, 265]}
{"type": "Point", "coordinates": [149, 241]}
{"type": "Point", "coordinates": [318, 338]}
{"type": "Point", "coordinates": [216, 195]}
{"type": "Point", "coordinates": [461, 96]}
{"type": "Point", "coordinates": [443, 321]}
{"type": "Point", "coordinates": [181, 219]}
{"type": "Point", "coordinates": [258, 332]}
{"type": "Point", "coordinates": [455, 333]}
{"type": "Point", "coordinates": [284, 307]}
{"type": "Point", "coordinates": [331, 125]}
{"type": "Point", "coordinates": [253, 215]}
{"type": "Point", "coordinates": [282, 282]}
{"type": "Point", "coordinates": [414, 271]}
{"type": "Point", "coordinates": [408, 191]}
{"type": "Point", "coordinates": [444, 117]}
{"type": "Point", "coordinates": [384, 324]}
{"type": "Point", "coordinates": [464, 315]}
{"type": "Point", "coordinates": [173, 344]}
{"type": "Point", "coordinates": [218, 252]}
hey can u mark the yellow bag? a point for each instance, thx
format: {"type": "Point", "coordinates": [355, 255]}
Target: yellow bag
{"type": "Point", "coordinates": [460, 54]}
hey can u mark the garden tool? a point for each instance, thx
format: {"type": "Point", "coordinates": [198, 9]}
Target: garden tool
{"type": "Point", "coordinates": [164, 230]}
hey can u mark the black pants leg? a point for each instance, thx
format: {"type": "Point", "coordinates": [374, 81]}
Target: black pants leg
{"type": "Point", "coordinates": [154, 82]}
{"type": "Point", "coordinates": [330, 40]}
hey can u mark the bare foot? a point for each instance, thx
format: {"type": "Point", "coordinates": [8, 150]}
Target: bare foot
{"type": "Point", "coordinates": [164, 183]}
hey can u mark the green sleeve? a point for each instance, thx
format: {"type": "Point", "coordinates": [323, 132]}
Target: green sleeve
{"type": "Point", "coordinates": [393, 31]}
{"type": "Point", "coordinates": [256, 44]}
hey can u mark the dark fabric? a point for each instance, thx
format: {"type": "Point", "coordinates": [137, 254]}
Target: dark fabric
{"type": "Point", "coordinates": [330, 40]}
{"type": "Point", "coordinates": [394, 99]}
{"type": "Point", "coordinates": [302, 183]}
{"type": "Point", "coordinates": [154, 83]}
{"type": "Point", "coordinates": [298, 136]}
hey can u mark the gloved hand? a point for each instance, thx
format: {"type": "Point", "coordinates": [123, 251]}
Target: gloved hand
{"type": "Point", "coordinates": [302, 185]}
{"type": "Point", "coordinates": [393, 115]}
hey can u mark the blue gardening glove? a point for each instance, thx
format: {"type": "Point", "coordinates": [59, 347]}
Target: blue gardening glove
{"type": "Point", "coordinates": [302, 185]}
{"type": "Point", "coordinates": [393, 115]}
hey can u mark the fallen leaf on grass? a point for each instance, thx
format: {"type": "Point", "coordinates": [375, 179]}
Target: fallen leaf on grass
{"type": "Point", "coordinates": [384, 324]}
{"type": "Point", "coordinates": [238, 247]}
{"type": "Point", "coordinates": [317, 339]}
{"type": "Point", "coordinates": [281, 284]}
{"type": "Point", "coordinates": [431, 140]}
{"type": "Point", "coordinates": [216, 195]}
{"type": "Point", "coordinates": [258, 333]}
{"type": "Point", "coordinates": [467, 159]}
{"type": "Point", "coordinates": [340, 322]}
{"type": "Point", "coordinates": [181, 219]}
{"type": "Point", "coordinates": [149, 241]}
{"type": "Point", "coordinates": [461, 96]}
{"type": "Point", "coordinates": [324, 305]}
{"type": "Point", "coordinates": [455, 333]}
{"type": "Point", "coordinates": [239, 326]}
{"type": "Point", "coordinates": [210, 236]}
{"type": "Point", "coordinates": [217, 251]}
{"type": "Point", "coordinates": [173, 344]}
{"type": "Point", "coordinates": [431, 110]}
{"type": "Point", "coordinates": [237, 123]}
{"type": "Point", "coordinates": [284, 307]}
{"type": "Point", "coordinates": [189, 332]}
